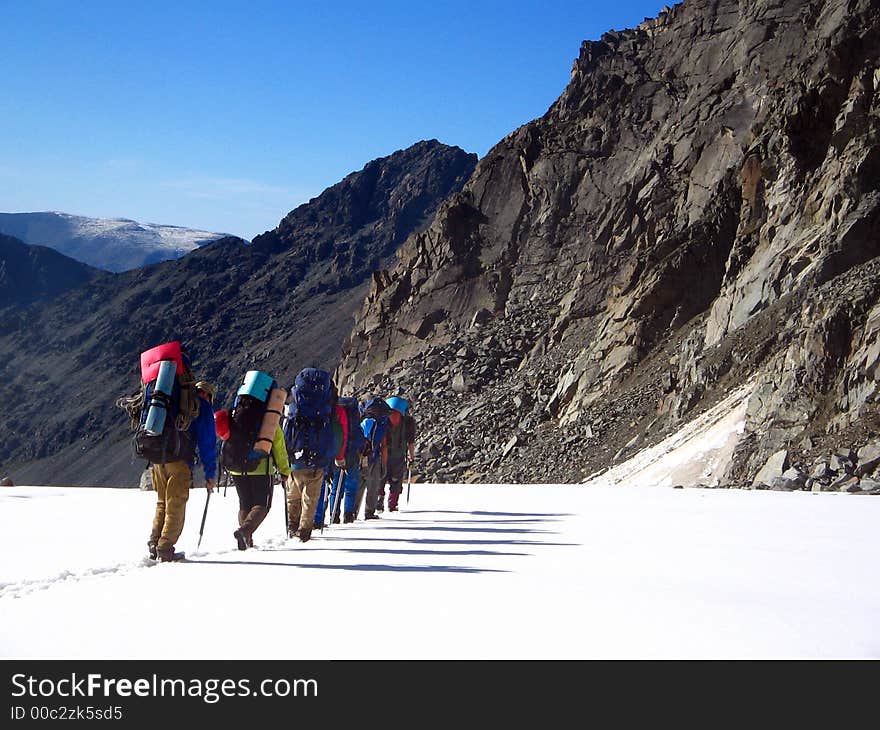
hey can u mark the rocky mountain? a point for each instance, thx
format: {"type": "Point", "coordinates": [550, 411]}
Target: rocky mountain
{"type": "Point", "coordinates": [32, 273]}
{"type": "Point", "coordinates": [112, 244]}
{"type": "Point", "coordinates": [285, 302]}
{"type": "Point", "coordinates": [700, 209]}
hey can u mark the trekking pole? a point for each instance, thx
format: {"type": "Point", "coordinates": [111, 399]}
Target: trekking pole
{"type": "Point", "coordinates": [204, 516]}
{"type": "Point", "coordinates": [408, 480]}
{"type": "Point", "coordinates": [286, 517]}
{"type": "Point", "coordinates": [340, 477]}
{"type": "Point", "coordinates": [326, 502]}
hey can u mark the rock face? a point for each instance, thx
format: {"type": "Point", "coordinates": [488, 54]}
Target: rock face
{"type": "Point", "coordinates": [283, 303]}
{"type": "Point", "coordinates": [700, 208]}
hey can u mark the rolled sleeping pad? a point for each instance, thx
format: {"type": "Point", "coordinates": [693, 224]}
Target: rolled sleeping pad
{"type": "Point", "coordinates": [257, 384]}
{"type": "Point", "coordinates": [271, 419]}
{"type": "Point", "coordinates": [160, 398]}
{"type": "Point", "coordinates": [151, 359]}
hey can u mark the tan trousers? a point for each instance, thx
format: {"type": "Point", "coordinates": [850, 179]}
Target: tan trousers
{"type": "Point", "coordinates": [303, 490]}
{"type": "Point", "coordinates": [172, 482]}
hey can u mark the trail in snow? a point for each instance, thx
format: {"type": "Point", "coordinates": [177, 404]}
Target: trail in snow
{"type": "Point", "coordinates": [332, 538]}
{"type": "Point", "coordinates": [462, 572]}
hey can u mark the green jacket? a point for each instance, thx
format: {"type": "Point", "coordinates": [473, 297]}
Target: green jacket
{"type": "Point", "coordinates": [278, 456]}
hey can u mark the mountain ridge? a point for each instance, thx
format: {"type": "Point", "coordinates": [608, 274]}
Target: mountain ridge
{"type": "Point", "coordinates": [236, 307]}
{"type": "Point", "coordinates": [37, 273]}
{"type": "Point", "coordinates": [111, 244]}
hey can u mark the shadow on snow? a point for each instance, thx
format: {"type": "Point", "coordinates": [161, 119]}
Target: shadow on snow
{"type": "Point", "coordinates": [372, 567]}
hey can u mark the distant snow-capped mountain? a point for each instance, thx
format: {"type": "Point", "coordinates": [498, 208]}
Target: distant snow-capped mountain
{"type": "Point", "coordinates": [112, 244]}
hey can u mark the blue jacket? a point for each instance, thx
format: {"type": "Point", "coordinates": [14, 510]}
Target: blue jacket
{"type": "Point", "coordinates": [204, 438]}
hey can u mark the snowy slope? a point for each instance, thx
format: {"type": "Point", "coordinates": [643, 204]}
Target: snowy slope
{"type": "Point", "coordinates": [461, 572]}
{"type": "Point", "coordinates": [698, 454]}
{"type": "Point", "coordinates": [113, 244]}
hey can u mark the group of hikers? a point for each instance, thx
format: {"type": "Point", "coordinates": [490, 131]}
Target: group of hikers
{"type": "Point", "coordinates": [333, 454]}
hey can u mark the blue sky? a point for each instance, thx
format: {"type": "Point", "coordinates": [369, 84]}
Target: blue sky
{"type": "Point", "coordinates": [226, 115]}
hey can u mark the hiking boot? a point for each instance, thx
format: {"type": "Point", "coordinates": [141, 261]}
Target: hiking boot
{"type": "Point", "coordinates": [392, 509]}
{"type": "Point", "coordinates": [253, 519]}
{"type": "Point", "coordinates": [380, 507]}
{"type": "Point", "coordinates": [151, 549]}
{"type": "Point", "coordinates": [319, 525]}
{"type": "Point", "coordinates": [241, 539]}
{"type": "Point", "coordinates": [335, 520]}
{"type": "Point", "coordinates": [347, 518]}
{"type": "Point", "coordinates": [371, 516]}
{"type": "Point", "coordinates": [168, 556]}
{"type": "Point", "coordinates": [304, 534]}
{"type": "Point", "coordinates": [250, 541]}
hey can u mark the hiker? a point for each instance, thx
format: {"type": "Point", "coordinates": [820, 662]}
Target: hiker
{"type": "Point", "coordinates": [401, 452]}
{"type": "Point", "coordinates": [366, 454]}
{"type": "Point", "coordinates": [254, 490]}
{"type": "Point", "coordinates": [375, 423]}
{"type": "Point", "coordinates": [315, 433]}
{"type": "Point", "coordinates": [253, 449]}
{"type": "Point", "coordinates": [347, 479]}
{"type": "Point", "coordinates": [173, 480]}
{"type": "Point", "coordinates": [174, 420]}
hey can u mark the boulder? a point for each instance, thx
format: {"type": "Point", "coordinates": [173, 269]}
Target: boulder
{"type": "Point", "coordinates": [481, 317]}
{"type": "Point", "coordinates": [146, 482]}
{"type": "Point", "coordinates": [844, 483]}
{"type": "Point", "coordinates": [461, 383]}
{"type": "Point", "coordinates": [867, 484]}
{"type": "Point", "coordinates": [842, 464]}
{"type": "Point", "coordinates": [868, 458]}
{"type": "Point", "coordinates": [790, 480]}
{"type": "Point", "coordinates": [773, 468]}
{"type": "Point", "coordinates": [510, 446]}
{"type": "Point", "coordinates": [820, 469]}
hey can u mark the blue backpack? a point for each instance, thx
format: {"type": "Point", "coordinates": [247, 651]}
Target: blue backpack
{"type": "Point", "coordinates": [354, 447]}
{"type": "Point", "coordinates": [308, 432]}
{"type": "Point", "coordinates": [375, 425]}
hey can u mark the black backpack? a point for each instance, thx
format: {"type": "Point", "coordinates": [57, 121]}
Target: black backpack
{"type": "Point", "coordinates": [173, 443]}
{"type": "Point", "coordinates": [308, 431]}
{"type": "Point", "coordinates": [376, 408]}
{"type": "Point", "coordinates": [237, 452]}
